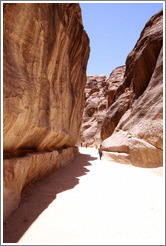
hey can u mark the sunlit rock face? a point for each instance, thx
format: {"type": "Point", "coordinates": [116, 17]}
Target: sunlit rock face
{"type": "Point", "coordinates": [46, 50]}
{"type": "Point", "coordinates": [45, 57]}
{"type": "Point", "coordinates": [95, 109]}
{"type": "Point", "coordinates": [137, 135]}
{"type": "Point", "coordinates": [100, 93]}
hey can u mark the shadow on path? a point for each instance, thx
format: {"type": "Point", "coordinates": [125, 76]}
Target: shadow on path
{"type": "Point", "coordinates": [36, 199]}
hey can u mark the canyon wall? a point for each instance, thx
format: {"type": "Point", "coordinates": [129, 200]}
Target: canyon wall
{"type": "Point", "coordinates": [137, 136]}
{"type": "Point", "coordinates": [95, 109]}
{"type": "Point", "coordinates": [131, 129]}
{"type": "Point", "coordinates": [45, 54]}
{"type": "Point", "coordinates": [100, 93]}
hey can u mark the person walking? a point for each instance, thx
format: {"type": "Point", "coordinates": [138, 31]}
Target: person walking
{"type": "Point", "coordinates": [100, 152]}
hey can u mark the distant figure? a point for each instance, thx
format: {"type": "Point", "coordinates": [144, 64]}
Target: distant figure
{"type": "Point", "coordinates": [81, 144]}
{"type": "Point", "coordinates": [86, 145]}
{"type": "Point", "coordinates": [100, 152]}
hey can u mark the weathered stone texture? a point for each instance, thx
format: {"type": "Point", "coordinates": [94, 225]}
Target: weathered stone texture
{"type": "Point", "coordinates": [95, 109]}
{"type": "Point", "coordinates": [45, 56]}
{"type": "Point", "coordinates": [115, 84]}
{"type": "Point", "coordinates": [100, 93]}
{"type": "Point", "coordinates": [45, 50]}
{"type": "Point", "coordinates": [118, 102]}
{"type": "Point", "coordinates": [130, 126]}
{"type": "Point", "coordinates": [19, 172]}
{"type": "Point", "coordinates": [134, 122]}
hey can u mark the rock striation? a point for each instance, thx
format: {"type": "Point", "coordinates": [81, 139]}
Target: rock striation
{"type": "Point", "coordinates": [95, 109]}
{"type": "Point", "coordinates": [100, 93]}
{"type": "Point", "coordinates": [133, 128]}
{"type": "Point", "coordinates": [45, 54]}
{"type": "Point", "coordinates": [130, 122]}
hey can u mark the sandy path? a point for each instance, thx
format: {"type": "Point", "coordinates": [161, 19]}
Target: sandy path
{"type": "Point", "coordinates": [91, 202]}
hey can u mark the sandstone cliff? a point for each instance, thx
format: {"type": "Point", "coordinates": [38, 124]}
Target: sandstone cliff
{"type": "Point", "coordinates": [45, 50]}
{"type": "Point", "coordinates": [95, 109]}
{"type": "Point", "coordinates": [100, 93]}
{"type": "Point", "coordinates": [137, 135]}
{"type": "Point", "coordinates": [125, 111]}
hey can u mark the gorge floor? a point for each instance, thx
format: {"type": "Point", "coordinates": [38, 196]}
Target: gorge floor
{"type": "Point", "coordinates": [91, 202]}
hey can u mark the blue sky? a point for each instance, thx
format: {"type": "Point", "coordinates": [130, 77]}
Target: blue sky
{"type": "Point", "coordinates": [113, 29]}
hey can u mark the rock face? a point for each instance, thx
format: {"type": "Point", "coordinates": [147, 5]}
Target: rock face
{"type": "Point", "coordinates": [100, 93]}
{"type": "Point", "coordinates": [20, 172]}
{"type": "Point", "coordinates": [95, 109]}
{"type": "Point", "coordinates": [117, 102]}
{"type": "Point", "coordinates": [46, 50]}
{"type": "Point", "coordinates": [45, 56]}
{"type": "Point", "coordinates": [125, 111]}
{"type": "Point", "coordinates": [133, 128]}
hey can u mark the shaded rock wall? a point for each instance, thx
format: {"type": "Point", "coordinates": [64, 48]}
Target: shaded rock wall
{"type": "Point", "coordinates": [138, 133]}
{"type": "Point", "coordinates": [46, 50]}
{"type": "Point", "coordinates": [117, 101]}
{"type": "Point", "coordinates": [19, 172]}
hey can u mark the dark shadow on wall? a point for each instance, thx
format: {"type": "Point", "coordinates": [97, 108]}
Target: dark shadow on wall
{"type": "Point", "coordinates": [36, 198]}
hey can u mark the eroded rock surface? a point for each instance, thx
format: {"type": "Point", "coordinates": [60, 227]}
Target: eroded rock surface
{"type": "Point", "coordinates": [95, 109]}
{"type": "Point", "coordinates": [100, 93]}
{"type": "Point", "coordinates": [138, 131]}
{"type": "Point", "coordinates": [46, 50]}
{"type": "Point", "coordinates": [45, 56]}
{"type": "Point", "coordinates": [130, 124]}
{"type": "Point", "coordinates": [20, 172]}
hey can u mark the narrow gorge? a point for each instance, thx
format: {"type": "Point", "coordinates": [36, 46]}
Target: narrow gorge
{"type": "Point", "coordinates": [51, 106]}
{"type": "Point", "coordinates": [124, 112]}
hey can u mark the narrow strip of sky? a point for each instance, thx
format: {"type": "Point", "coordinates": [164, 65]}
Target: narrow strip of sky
{"type": "Point", "coordinates": [113, 29]}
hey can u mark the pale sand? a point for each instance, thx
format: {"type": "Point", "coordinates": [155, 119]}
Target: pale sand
{"type": "Point", "coordinates": [92, 202]}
